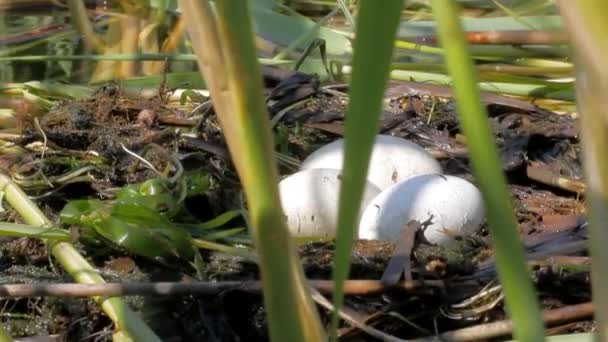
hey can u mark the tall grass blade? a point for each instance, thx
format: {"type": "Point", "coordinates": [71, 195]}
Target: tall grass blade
{"type": "Point", "coordinates": [522, 303]}
{"type": "Point", "coordinates": [24, 230]}
{"type": "Point", "coordinates": [4, 337]}
{"type": "Point", "coordinates": [375, 33]}
{"type": "Point", "coordinates": [587, 27]}
{"type": "Point", "coordinates": [231, 71]}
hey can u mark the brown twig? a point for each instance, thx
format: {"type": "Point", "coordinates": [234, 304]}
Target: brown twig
{"type": "Point", "coordinates": [176, 121]}
{"type": "Point", "coordinates": [80, 20]}
{"type": "Point", "coordinates": [351, 287]}
{"type": "Point", "coordinates": [400, 262]}
{"type": "Point", "coordinates": [502, 328]}
{"type": "Point", "coordinates": [544, 175]}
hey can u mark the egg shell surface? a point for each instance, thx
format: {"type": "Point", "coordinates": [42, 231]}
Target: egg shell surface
{"type": "Point", "coordinates": [310, 201]}
{"type": "Point", "coordinates": [456, 207]}
{"type": "Point", "coordinates": [393, 160]}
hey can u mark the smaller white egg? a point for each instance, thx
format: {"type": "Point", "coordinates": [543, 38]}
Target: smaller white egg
{"type": "Point", "coordinates": [393, 160]}
{"type": "Point", "coordinates": [310, 201]}
{"type": "Point", "coordinates": [456, 207]}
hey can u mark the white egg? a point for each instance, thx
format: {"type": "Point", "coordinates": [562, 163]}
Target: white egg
{"type": "Point", "coordinates": [456, 207]}
{"type": "Point", "coordinates": [310, 201]}
{"type": "Point", "coordinates": [393, 160]}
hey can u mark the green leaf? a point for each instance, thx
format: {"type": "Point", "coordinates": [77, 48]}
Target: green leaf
{"type": "Point", "coordinates": [376, 28]}
{"type": "Point", "coordinates": [155, 194]}
{"type": "Point", "coordinates": [222, 234]}
{"type": "Point", "coordinates": [520, 296]}
{"type": "Point", "coordinates": [157, 242]}
{"type": "Point", "coordinates": [24, 230]}
{"type": "Point", "coordinates": [197, 183]}
{"type": "Point", "coordinates": [136, 221]}
{"type": "Point", "coordinates": [284, 29]}
{"type": "Point", "coordinates": [220, 220]}
{"type": "Point", "coordinates": [77, 211]}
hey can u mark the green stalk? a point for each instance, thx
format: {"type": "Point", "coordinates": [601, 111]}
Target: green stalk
{"type": "Point", "coordinates": [24, 230]}
{"type": "Point", "coordinates": [76, 265]}
{"type": "Point", "coordinates": [373, 48]}
{"type": "Point", "coordinates": [230, 68]}
{"type": "Point", "coordinates": [4, 337]}
{"type": "Point", "coordinates": [586, 25]}
{"type": "Point", "coordinates": [520, 297]}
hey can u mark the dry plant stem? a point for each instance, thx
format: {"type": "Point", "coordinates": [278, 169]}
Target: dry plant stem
{"type": "Point", "coordinates": [547, 176]}
{"type": "Point", "coordinates": [503, 328]}
{"type": "Point", "coordinates": [124, 318]}
{"type": "Point", "coordinates": [148, 40]}
{"type": "Point", "coordinates": [128, 44]}
{"type": "Point", "coordinates": [355, 321]}
{"type": "Point", "coordinates": [235, 83]}
{"type": "Point", "coordinates": [78, 12]}
{"type": "Point", "coordinates": [353, 287]}
{"type": "Point", "coordinates": [587, 27]}
{"type": "Point", "coordinates": [200, 24]}
{"type": "Point", "coordinates": [170, 44]}
{"type": "Point", "coordinates": [109, 69]}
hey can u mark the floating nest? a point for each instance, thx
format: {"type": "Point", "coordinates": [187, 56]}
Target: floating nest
{"type": "Point", "coordinates": [92, 147]}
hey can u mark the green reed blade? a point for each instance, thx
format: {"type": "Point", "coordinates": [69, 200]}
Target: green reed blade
{"type": "Point", "coordinates": [522, 303]}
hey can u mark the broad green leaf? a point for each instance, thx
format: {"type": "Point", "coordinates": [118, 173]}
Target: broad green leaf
{"type": "Point", "coordinates": [135, 221]}
{"type": "Point", "coordinates": [138, 229]}
{"type": "Point", "coordinates": [79, 211]}
{"type": "Point", "coordinates": [154, 194]}
{"type": "Point", "coordinates": [154, 242]}
{"type": "Point", "coordinates": [284, 29]}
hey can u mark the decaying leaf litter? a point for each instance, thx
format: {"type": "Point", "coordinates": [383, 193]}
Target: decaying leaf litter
{"type": "Point", "coordinates": [91, 162]}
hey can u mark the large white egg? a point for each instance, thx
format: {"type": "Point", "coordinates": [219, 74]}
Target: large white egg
{"type": "Point", "coordinates": [456, 207]}
{"type": "Point", "coordinates": [310, 201]}
{"type": "Point", "coordinates": [393, 160]}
